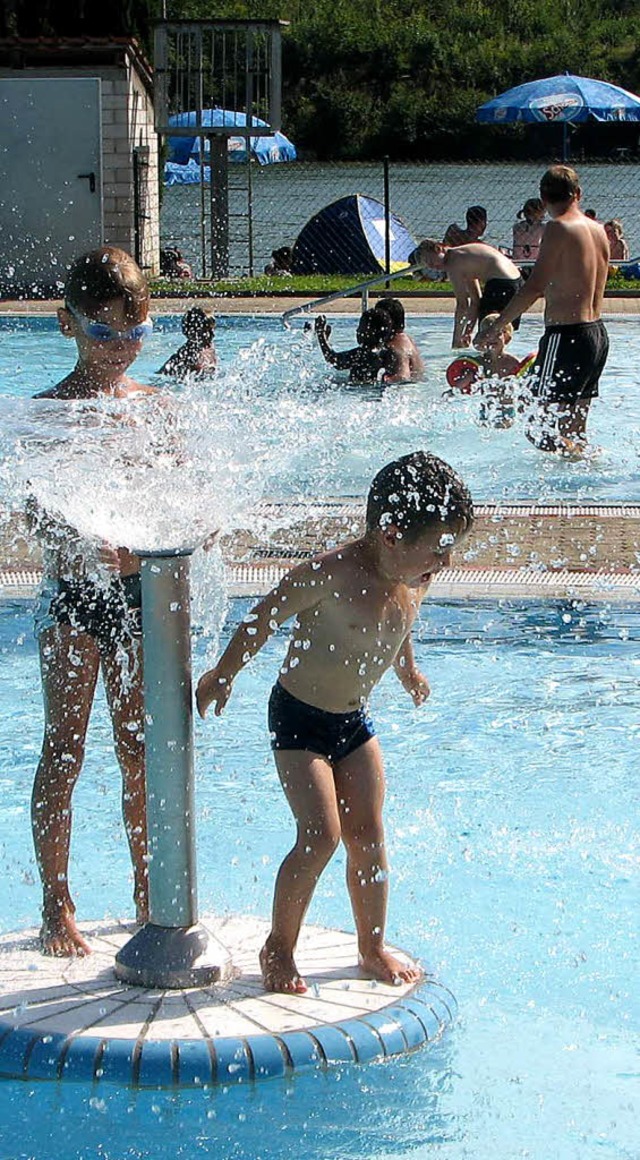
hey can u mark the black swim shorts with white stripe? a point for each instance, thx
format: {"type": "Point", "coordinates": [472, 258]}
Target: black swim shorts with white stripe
{"type": "Point", "coordinates": [569, 362]}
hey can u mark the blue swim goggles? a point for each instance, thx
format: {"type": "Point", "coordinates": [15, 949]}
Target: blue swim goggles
{"type": "Point", "coordinates": [100, 332]}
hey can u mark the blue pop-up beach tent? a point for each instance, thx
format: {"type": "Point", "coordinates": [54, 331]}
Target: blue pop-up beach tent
{"type": "Point", "coordinates": [348, 237]}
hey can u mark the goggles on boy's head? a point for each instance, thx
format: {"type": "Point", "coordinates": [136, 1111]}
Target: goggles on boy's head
{"type": "Point", "coordinates": [101, 332]}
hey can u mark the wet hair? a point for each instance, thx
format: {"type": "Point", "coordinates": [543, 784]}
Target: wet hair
{"type": "Point", "coordinates": [415, 493]}
{"type": "Point", "coordinates": [531, 205]}
{"type": "Point", "coordinates": [198, 326]}
{"type": "Point", "coordinates": [374, 328]}
{"type": "Point", "coordinates": [395, 310]}
{"type": "Point", "coordinates": [476, 214]}
{"type": "Point", "coordinates": [107, 275]}
{"type": "Point", "coordinates": [506, 330]}
{"type": "Point", "coordinates": [559, 183]}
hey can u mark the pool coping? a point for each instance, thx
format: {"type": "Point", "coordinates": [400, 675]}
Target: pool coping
{"type": "Point", "coordinates": [611, 306]}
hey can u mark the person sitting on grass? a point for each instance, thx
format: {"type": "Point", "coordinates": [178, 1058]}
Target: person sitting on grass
{"type": "Point", "coordinates": [198, 354]}
{"type": "Point", "coordinates": [371, 359]}
{"type": "Point", "coordinates": [352, 610]}
{"type": "Point", "coordinates": [409, 364]}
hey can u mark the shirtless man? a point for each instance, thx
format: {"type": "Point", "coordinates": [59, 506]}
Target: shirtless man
{"type": "Point", "coordinates": [570, 273]}
{"type": "Point", "coordinates": [408, 365]}
{"type": "Point", "coordinates": [352, 611]}
{"type": "Point", "coordinates": [483, 281]}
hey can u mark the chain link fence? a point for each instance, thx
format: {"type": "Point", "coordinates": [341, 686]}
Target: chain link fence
{"type": "Point", "coordinates": [270, 205]}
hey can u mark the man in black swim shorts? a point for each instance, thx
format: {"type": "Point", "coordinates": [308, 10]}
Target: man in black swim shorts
{"type": "Point", "coordinates": [565, 375]}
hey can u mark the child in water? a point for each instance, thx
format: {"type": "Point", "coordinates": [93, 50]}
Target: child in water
{"type": "Point", "coordinates": [352, 611]}
{"type": "Point", "coordinates": [497, 369]}
{"type": "Point", "coordinates": [371, 359]}
{"type": "Point", "coordinates": [198, 354]}
{"type": "Point", "coordinates": [89, 614]}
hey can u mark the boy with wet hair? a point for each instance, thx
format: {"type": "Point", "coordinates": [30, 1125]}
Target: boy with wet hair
{"type": "Point", "coordinates": [352, 609]}
{"type": "Point", "coordinates": [409, 366]}
{"type": "Point", "coordinates": [88, 615]}
{"type": "Point", "coordinates": [370, 359]}
{"type": "Point", "coordinates": [197, 356]}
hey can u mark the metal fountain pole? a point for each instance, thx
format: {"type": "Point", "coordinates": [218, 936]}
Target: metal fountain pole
{"type": "Point", "coordinates": [172, 949]}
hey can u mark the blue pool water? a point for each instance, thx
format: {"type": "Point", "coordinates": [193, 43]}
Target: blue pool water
{"type": "Point", "coordinates": [280, 392]}
{"type": "Point", "coordinates": [512, 820]}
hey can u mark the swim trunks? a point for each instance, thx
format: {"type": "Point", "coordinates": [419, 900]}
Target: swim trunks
{"type": "Point", "coordinates": [497, 293]}
{"type": "Point", "coordinates": [294, 724]}
{"type": "Point", "coordinates": [569, 362]}
{"type": "Point", "coordinates": [110, 613]}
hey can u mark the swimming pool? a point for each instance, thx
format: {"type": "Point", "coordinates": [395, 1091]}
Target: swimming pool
{"type": "Point", "coordinates": [512, 821]}
{"type": "Point", "coordinates": [317, 436]}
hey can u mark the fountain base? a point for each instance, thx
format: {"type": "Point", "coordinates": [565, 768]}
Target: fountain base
{"type": "Point", "coordinates": [172, 958]}
{"type": "Point", "coordinates": [69, 1019]}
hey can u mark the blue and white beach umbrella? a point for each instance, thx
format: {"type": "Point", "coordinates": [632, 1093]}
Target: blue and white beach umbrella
{"type": "Point", "coordinates": [565, 98]}
{"type": "Point", "coordinates": [183, 166]}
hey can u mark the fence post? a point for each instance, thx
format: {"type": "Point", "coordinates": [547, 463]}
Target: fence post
{"type": "Point", "coordinates": [387, 221]}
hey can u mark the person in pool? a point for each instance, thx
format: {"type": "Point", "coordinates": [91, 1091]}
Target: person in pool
{"type": "Point", "coordinates": [88, 619]}
{"type": "Point", "coordinates": [352, 611]}
{"type": "Point", "coordinates": [571, 274]}
{"type": "Point", "coordinates": [483, 281]}
{"type": "Point", "coordinates": [409, 366]}
{"type": "Point", "coordinates": [371, 359]}
{"type": "Point", "coordinates": [197, 357]}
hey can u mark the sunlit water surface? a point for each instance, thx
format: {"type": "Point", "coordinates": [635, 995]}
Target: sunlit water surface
{"type": "Point", "coordinates": [304, 430]}
{"type": "Point", "coordinates": [512, 825]}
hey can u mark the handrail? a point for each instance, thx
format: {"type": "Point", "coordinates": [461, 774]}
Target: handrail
{"type": "Point", "coordinates": [361, 287]}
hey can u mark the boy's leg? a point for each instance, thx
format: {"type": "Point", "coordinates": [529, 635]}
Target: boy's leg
{"type": "Point", "coordinates": [69, 670]}
{"type": "Point", "coordinates": [360, 786]}
{"type": "Point", "coordinates": [307, 780]}
{"type": "Point", "coordinates": [122, 675]}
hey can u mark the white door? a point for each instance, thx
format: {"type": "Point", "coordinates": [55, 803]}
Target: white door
{"type": "Point", "coordinates": [50, 176]}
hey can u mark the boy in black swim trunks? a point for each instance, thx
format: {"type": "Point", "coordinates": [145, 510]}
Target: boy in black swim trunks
{"type": "Point", "coordinates": [353, 609]}
{"type": "Point", "coordinates": [570, 273]}
{"type": "Point", "coordinates": [89, 611]}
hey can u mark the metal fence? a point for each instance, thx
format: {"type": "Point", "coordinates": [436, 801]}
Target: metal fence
{"type": "Point", "coordinates": [427, 197]}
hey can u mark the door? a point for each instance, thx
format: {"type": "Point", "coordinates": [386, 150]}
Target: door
{"type": "Point", "coordinates": [50, 176]}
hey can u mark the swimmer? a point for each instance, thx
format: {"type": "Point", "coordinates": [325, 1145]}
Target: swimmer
{"type": "Point", "coordinates": [571, 274]}
{"type": "Point", "coordinates": [498, 368]}
{"type": "Point", "coordinates": [197, 357]}
{"type": "Point", "coordinates": [371, 358]}
{"type": "Point", "coordinates": [83, 625]}
{"type": "Point", "coordinates": [352, 611]}
{"type": "Point", "coordinates": [409, 364]}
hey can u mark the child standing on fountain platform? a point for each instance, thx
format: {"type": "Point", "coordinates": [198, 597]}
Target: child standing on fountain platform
{"type": "Point", "coordinates": [353, 609]}
{"type": "Point", "coordinates": [89, 611]}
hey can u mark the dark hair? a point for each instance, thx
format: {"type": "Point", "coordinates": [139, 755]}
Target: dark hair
{"type": "Point", "coordinates": [416, 492]}
{"type": "Point", "coordinates": [196, 324]}
{"type": "Point", "coordinates": [476, 213]}
{"type": "Point", "coordinates": [107, 275]}
{"type": "Point", "coordinates": [394, 308]}
{"type": "Point", "coordinates": [282, 257]}
{"type": "Point", "coordinates": [531, 205]}
{"type": "Point", "coordinates": [559, 183]}
{"type": "Point", "coordinates": [374, 328]}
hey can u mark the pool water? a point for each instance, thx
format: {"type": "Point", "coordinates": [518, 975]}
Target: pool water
{"type": "Point", "coordinates": [316, 435]}
{"type": "Point", "coordinates": [512, 822]}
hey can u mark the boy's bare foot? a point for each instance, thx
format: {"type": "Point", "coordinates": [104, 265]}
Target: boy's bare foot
{"type": "Point", "coordinates": [59, 935]}
{"type": "Point", "coordinates": [279, 972]}
{"type": "Point", "coordinates": [386, 968]}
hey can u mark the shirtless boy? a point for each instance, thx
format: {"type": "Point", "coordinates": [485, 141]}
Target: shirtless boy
{"type": "Point", "coordinates": [483, 281]}
{"type": "Point", "coordinates": [83, 624]}
{"type": "Point", "coordinates": [570, 273]}
{"type": "Point", "coordinates": [409, 366]}
{"type": "Point", "coordinates": [367, 361]}
{"type": "Point", "coordinates": [353, 609]}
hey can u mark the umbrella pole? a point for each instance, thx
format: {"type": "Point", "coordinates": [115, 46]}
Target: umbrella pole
{"type": "Point", "coordinates": [565, 140]}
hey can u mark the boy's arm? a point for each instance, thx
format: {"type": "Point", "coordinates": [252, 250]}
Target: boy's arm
{"type": "Point", "coordinates": [299, 590]}
{"type": "Point", "coordinates": [409, 675]}
{"type": "Point", "coordinates": [541, 275]}
{"type": "Point", "coordinates": [467, 292]}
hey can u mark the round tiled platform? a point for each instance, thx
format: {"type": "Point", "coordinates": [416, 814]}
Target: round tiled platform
{"type": "Point", "coordinates": [63, 1019]}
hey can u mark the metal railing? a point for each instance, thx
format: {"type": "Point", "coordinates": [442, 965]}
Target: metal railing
{"type": "Point", "coordinates": [361, 288]}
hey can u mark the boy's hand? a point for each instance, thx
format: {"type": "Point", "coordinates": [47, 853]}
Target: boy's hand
{"type": "Point", "coordinates": [322, 326]}
{"type": "Point", "coordinates": [212, 689]}
{"type": "Point", "coordinates": [417, 686]}
{"type": "Point", "coordinates": [108, 557]}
